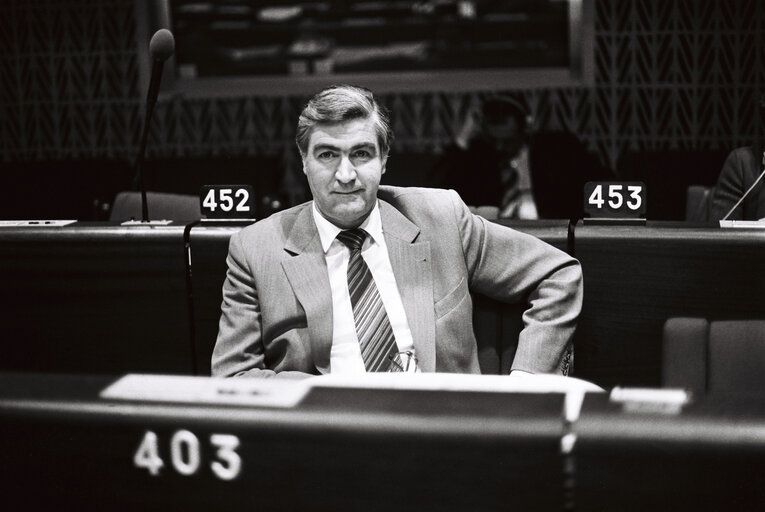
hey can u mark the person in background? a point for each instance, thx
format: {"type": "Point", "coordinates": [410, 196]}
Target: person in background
{"type": "Point", "coordinates": [743, 170]}
{"type": "Point", "coordinates": [496, 160]}
{"type": "Point", "coordinates": [379, 278]}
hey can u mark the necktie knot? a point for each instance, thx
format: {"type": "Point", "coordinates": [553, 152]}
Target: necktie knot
{"type": "Point", "coordinates": [352, 238]}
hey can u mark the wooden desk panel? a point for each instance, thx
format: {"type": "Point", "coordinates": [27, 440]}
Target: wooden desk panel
{"type": "Point", "coordinates": [708, 457]}
{"type": "Point", "coordinates": [348, 448]}
{"type": "Point", "coordinates": [637, 277]}
{"type": "Point", "coordinates": [101, 298]}
{"type": "Point", "coordinates": [418, 450]}
{"type": "Point", "coordinates": [209, 247]}
{"type": "Point", "coordinates": [94, 299]}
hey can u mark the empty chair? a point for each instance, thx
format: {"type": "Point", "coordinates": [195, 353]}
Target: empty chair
{"type": "Point", "coordinates": [717, 357]}
{"type": "Point", "coordinates": [161, 205]}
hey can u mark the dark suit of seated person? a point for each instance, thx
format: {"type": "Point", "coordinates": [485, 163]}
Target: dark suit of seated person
{"type": "Point", "coordinates": [740, 171]}
{"type": "Point", "coordinates": [496, 160]}
{"type": "Point", "coordinates": [364, 273]}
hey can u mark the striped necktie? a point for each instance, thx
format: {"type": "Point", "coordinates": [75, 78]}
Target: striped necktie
{"type": "Point", "coordinates": [372, 326]}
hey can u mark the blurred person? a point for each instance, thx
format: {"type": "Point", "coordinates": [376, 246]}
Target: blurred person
{"type": "Point", "coordinates": [496, 160]}
{"type": "Point", "coordinates": [743, 170]}
{"type": "Point", "coordinates": [363, 273]}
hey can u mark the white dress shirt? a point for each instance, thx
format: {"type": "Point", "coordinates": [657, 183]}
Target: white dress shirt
{"type": "Point", "coordinates": [518, 202]}
{"type": "Point", "coordinates": [345, 356]}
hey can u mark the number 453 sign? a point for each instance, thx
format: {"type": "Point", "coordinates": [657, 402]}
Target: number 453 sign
{"type": "Point", "coordinates": [612, 199]}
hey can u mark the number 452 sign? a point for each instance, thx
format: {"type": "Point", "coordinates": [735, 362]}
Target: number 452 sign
{"type": "Point", "coordinates": [227, 202]}
{"type": "Point", "coordinates": [614, 199]}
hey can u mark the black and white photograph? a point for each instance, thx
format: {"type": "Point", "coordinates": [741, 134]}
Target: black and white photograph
{"type": "Point", "coordinates": [436, 255]}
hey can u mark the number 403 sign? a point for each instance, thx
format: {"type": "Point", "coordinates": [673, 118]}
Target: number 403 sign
{"type": "Point", "coordinates": [188, 455]}
{"type": "Point", "coordinates": [614, 199]}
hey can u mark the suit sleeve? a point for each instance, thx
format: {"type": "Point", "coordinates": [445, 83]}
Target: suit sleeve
{"type": "Point", "coordinates": [510, 266]}
{"type": "Point", "coordinates": [239, 350]}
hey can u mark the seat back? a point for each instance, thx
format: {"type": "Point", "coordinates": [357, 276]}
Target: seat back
{"type": "Point", "coordinates": [720, 357]}
{"type": "Point", "coordinates": [161, 205]}
{"type": "Point", "coordinates": [684, 354]}
{"type": "Point", "coordinates": [736, 357]}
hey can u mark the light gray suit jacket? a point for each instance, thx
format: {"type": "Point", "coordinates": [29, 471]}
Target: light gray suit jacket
{"type": "Point", "coordinates": [277, 305]}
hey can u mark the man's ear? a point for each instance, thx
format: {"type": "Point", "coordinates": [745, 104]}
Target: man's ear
{"type": "Point", "coordinates": [384, 161]}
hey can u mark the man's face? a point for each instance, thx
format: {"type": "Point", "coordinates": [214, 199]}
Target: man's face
{"type": "Point", "coordinates": [344, 166]}
{"type": "Point", "coordinates": [505, 137]}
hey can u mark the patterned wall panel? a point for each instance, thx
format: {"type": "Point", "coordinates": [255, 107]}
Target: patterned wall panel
{"type": "Point", "coordinates": [69, 79]}
{"type": "Point", "coordinates": [678, 74]}
{"type": "Point", "coordinates": [668, 74]}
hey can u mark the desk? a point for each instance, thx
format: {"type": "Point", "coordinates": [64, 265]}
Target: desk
{"type": "Point", "coordinates": [710, 456]}
{"type": "Point", "coordinates": [99, 298]}
{"type": "Point", "coordinates": [94, 298]}
{"type": "Point", "coordinates": [637, 277]}
{"type": "Point", "coordinates": [65, 448]}
{"type": "Point", "coordinates": [209, 247]}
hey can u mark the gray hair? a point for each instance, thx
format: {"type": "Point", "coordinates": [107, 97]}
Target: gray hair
{"type": "Point", "coordinates": [339, 103]}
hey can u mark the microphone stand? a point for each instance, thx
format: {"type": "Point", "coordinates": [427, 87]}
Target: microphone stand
{"type": "Point", "coordinates": [150, 102]}
{"type": "Point", "coordinates": [161, 47]}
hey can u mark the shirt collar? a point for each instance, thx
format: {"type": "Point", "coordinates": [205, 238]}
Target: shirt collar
{"type": "Point", "coordinates": [328, 232]}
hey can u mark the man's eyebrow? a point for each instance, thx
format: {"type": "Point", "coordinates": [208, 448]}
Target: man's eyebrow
{"type": "Point", "coordinates": [324, 146]}
{"type": "Point", "coordinates": [365, 145]}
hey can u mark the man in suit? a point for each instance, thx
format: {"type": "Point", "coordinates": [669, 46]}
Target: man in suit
{"type": "Point", "coordinates": [291, 300]}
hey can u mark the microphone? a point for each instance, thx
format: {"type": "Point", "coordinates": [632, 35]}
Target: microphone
{"type": "Point", "coordinates": [161, 47]}
{"type": "Point", "coordinates": [759, 178]}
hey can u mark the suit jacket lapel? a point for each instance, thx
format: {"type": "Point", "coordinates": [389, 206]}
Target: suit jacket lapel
{"type": "Point", "coordinates": [307, 274]}
{"type": "Point", "coordinates": [412, 268]}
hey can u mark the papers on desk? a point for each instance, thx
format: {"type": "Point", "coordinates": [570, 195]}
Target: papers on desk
{"type": "Point", "coordinates": [573, 388]}
{"type": "Point", "coordinates": [147, 223]}
{"type": "Point", "coordinates": [743, 224]}
{"type": "Point", "coordinates": [661, 401]}
{"type": "Point", "coordinates": [288, 393]}
{"type": "Point", "coordinates": [35, 223]}
{"type": "Point", "coordinates": [539, 383]}
{"type": "Point", "coordinates": [207, 390]}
